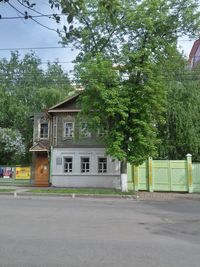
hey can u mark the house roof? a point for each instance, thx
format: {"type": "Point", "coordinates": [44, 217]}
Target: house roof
{"type": "Point", "coordinates": [194, 50]}
{"type": "Point", "coordinates": [40, 146]}
{"type": "Point", "coordinates": [61, 107]}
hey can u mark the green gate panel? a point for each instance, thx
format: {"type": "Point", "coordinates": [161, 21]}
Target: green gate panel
{"type": "Point", "coordinates": [196, 177]}
{"type": "Point", "coordinates": [179, 180]}
{"type": "Point", "coordinates": [161, 175]}
{"type": "Point", "coordinates": [130, 177]}
{"type": "Point", "coordinates": [167, 175]}
{"type": "Point", "coordinates": [143, 177]}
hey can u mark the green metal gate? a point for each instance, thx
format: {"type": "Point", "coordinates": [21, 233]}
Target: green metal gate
{"type": "Point", "coordinates": [165, 175]}
{"type": "Point", "coordinates": [196, 177]}
{"type": "Point", "coordinates": [170, 175]}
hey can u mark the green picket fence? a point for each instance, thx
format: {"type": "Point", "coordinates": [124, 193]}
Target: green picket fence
{"type": "Point", "coordinates": [165, 175]}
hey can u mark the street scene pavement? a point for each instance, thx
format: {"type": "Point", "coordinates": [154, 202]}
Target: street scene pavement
{"type": "Point", "coordinates": [59, 231]}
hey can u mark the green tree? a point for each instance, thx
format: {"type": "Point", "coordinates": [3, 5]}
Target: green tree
{"type": "Point", "coordinates": [12, 147]}
{"type": "Point", "coordinates": [181, 132]}
{"type": "Point", "coordinates": [140, 37]}
{"type": "Point", "coordinates": [26, 88]}
{"type": "Point", "coordinates": [128, 111]}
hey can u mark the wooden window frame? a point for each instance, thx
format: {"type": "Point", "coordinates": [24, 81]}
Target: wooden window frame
{"type": "Point", "coordinates": [71, 131]}
{"type": "Point", "coordinates": [84, 168]}
{"type": "Point", "coordinates": [102, 166]}
{"type": "Point", "coordinates": [46, 137]}
{"type": "Point", "coordinates": [68, 169]}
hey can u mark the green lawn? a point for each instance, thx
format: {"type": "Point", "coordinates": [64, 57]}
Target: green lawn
{"type": "Point", "coordinates": [6, 190]}
{"type": "Point", "coordinates": [86, 191]}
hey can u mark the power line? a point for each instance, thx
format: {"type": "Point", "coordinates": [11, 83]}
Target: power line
{"type": "Point", "coordinates": [35, 48]}
{"type": "Point", "coordinates": [26, 16]}
{"type": "Point", "coordinates": [29, 7]}
{"type": "Point", "coordinates": [44, 26]}
{"type": "Point", "coordinates": [57, 62]}
{"type": "Point", "coordinates": [43, 47]}
{"type": "Point", "coordinates": [32, 16]}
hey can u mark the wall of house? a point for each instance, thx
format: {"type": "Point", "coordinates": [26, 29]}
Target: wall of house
{"type": "Point", "coordinates": [111, 179]}
{"type": "Point", "coordinates": [77, 141]}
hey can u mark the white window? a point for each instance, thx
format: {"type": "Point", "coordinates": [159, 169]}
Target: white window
{"type": "Point", "coordinates": [84, 130]}
{"type": "Point", "coordinates": [44, 130]}
{"type": "Point", "coordinates": [68, 164]}
{"type": "Point", "coordinates": [102, 165]}
{"type": "Point", "coordinates": [85, 164]}
{"type": "Point", "coordinates": [68, 129]}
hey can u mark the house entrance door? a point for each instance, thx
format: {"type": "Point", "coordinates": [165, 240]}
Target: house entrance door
{"type": "Point", "coordinates": [42, 170]}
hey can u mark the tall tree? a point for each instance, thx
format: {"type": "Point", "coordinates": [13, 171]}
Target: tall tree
{"type": "Point", "coordinates": [140, 37]}
{"type": "Point", "coordinates": [181, 132]}
{"type": "Point", "coordinates": [25, 88]}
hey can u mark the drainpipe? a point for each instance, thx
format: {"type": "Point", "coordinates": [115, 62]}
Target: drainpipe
{"type": "Point", "coordinates": [50, 167]}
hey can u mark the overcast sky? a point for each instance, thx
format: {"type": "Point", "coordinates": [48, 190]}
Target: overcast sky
{"type": "Point", "coordinates": [20, 33]}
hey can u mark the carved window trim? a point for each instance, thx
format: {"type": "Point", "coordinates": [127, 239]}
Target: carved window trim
{"type": "Point", "coordinates": [43, 121]}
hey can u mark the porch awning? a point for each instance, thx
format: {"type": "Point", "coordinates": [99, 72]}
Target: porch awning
{"type": "Point", "coordinates": [40, 147]}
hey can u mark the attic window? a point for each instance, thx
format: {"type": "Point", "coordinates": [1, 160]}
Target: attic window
{"type": "Point", "coordinates": [44, 130]}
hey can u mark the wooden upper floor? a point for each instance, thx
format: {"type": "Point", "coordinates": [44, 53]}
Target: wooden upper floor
{"type": "Point", "coordinates": [62, 127]}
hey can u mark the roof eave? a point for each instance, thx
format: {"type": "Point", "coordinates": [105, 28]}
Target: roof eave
{"type": "Point", "coordinates": [64, 101]}
{"type": "Point", "coordinates": [63, 110]}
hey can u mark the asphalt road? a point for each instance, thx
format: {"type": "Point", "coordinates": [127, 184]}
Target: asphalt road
{"type": "Point", "coordinates": [44, 231]}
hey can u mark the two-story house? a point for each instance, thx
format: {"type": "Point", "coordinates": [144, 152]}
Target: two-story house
{"type": "Point", "coordinates": [66, 154]}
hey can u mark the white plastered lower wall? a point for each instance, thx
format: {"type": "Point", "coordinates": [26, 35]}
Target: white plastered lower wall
{"type": "Point", "coordinates": [110, 179]}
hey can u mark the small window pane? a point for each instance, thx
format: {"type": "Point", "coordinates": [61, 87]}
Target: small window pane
{"type": "Point", "coordinates": [84, 130]}
{"type": "Point", "coordinates": [68, 164]}
{"type": "Point", "coordinates": [69, 129]}
{"type": "Point", "coordinates": [102, 165]}
{"type": "Point", "coordinates": [44, 130]}
{"type": "Point", "coordinates": [85, 164]}
{"type": "Point", "coordinates": [102, 132]}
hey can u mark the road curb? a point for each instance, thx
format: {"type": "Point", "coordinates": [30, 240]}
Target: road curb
{"type": "Point", "coordinates": [141, 196]}
{"type": "Point", "coordinates": [166, 196]}
{"type": "Point", "coordinates": [71, 195]}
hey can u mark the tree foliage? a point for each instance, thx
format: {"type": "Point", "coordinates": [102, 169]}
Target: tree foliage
{"type": "Point", "coordinates": [181, 132]}
{"type": "Point", "coordinates": [26, 88]}
{"type": "Point", "coordinates": [127, 111]}
{"type": "Point", "coordinates": [139, 38]}
{"type": "Point", "coordinates": [12, 146]}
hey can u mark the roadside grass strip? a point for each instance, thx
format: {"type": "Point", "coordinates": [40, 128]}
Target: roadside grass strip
{"type": "Point", "coordinates": [81, 191]}
{"type": "Point", "coordinates": [6, 190]}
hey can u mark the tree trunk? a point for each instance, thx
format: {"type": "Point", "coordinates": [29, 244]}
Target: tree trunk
{"type": "Point", "coordinates": [124, 182]}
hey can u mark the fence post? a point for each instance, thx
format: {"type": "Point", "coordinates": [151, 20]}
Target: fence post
{"type": "Point", "coordinates": [135, 171]}
{"type": "Point", "coordinates": [189, 172]}
{"type": "Point", "coordinates": [150, 175]}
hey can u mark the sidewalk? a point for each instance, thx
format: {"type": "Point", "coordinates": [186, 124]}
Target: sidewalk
{"type": "Point", "coordinates": [23, 191]}
{"type": "Point", "coordinates": [165, 195]}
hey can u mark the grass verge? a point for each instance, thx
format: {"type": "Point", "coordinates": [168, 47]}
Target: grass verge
{"type": "Point", "coordinates": [6, 190]}
{"type": "Point", "coordinates": [81, 191]}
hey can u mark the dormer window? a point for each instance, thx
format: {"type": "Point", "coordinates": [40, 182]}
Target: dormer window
{"type": "Point", "coordinates": [44, 130]}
